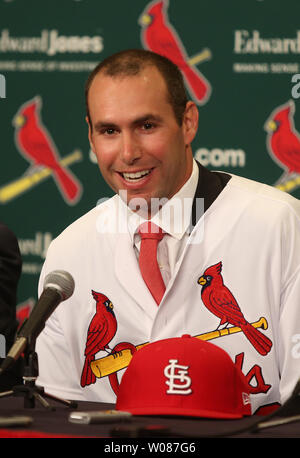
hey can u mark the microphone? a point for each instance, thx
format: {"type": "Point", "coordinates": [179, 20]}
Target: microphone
{"type": "Point", "coordinates": [58, 286]}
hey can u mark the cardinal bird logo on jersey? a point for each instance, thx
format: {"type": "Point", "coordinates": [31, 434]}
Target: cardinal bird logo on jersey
{"type": "Point", "coordinates": [219, 300]}
{"type": "Point", "coordinates": [159, 36]}
{"type": "Point", "coordinates": [36, 145]}
{"type": "Point", "coordinates": [101, 331]}
{"type": "Point", "coordinates": [283, 143]}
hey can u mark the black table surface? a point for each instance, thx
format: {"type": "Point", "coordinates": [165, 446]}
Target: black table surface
{"type": "Point", "coordinates": [56, 423]}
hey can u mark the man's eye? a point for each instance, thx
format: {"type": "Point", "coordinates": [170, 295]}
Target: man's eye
{"type": "Point", "coordinates": [148, 125]}
{"type": "Point", "coordinates": [109, 131]}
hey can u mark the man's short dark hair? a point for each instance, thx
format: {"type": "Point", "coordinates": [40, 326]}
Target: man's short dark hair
{"type": "Point", "coordinates": [131, 62]}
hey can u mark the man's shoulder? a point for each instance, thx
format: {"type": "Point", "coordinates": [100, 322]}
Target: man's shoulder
{"type": "Point", "coordinates": [265, 194]}
{"type": "Point", "coordinates": [86, 225]}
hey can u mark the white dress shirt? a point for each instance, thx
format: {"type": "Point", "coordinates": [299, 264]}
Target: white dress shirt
{"type": "Point", "coordinates": [174, 218]}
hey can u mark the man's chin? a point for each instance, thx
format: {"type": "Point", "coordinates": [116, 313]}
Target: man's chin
{"type": "Point", "coordinates": [145, 206]}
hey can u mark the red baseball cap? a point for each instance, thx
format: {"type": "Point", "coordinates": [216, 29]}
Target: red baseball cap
{"type": "Point", "coordinates": [183, 376]}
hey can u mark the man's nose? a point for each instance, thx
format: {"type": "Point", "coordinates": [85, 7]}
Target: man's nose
{"type": "Point", "coordinates": [130, 148]}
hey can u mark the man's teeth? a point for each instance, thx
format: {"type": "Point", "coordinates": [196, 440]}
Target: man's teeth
{"type": "Point", "coordinates": [136, 175]}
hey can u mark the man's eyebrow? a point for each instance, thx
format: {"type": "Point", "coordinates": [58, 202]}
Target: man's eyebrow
{"type": "Point", "coordinates": [140, 120]}
{"type": "Point", "coordinates": [147, 117]}
{"type": "Point", "coordinates": [104, 125]}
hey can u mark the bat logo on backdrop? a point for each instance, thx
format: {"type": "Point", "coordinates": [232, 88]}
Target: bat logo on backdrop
{"type": "Point", "coordinates": [159, 35]}
{"type": "Point", "coordinates": [35, 144]}
{"type": "Point", "coordinates": [283, 144]}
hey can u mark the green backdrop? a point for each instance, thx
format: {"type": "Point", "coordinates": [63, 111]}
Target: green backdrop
{"type": "Point", "coordinates": [246, 50]}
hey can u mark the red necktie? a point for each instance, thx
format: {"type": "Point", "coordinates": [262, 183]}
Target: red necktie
{"type": "Point", "coordinates": [151, 235]}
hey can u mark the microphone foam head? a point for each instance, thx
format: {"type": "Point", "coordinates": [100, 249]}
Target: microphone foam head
{"type": "Point", "coordinates": [62, 281]}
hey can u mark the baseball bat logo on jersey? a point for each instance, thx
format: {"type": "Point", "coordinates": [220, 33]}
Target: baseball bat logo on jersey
{"type": "Point", "coordinates": [220, 301]}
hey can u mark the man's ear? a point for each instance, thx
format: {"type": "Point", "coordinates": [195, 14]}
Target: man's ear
{"type": "Point", "coordinates": [190, 122]}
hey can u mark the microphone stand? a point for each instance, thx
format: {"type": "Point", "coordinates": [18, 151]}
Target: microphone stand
{"type": "Point", "coordinates": [29, 390]}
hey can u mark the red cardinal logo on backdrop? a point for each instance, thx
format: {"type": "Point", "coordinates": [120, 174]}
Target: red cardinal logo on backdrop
{"type": "Point", "coordinates": [23, 310]}
{"type": "Point", "coordinates": [37, 146]}
{"type": "Point", "coordinates": [283, 143]}
{"type": "Point", "coordinates": [159, 36]}
{"type": "Point", "coordinates": [101, 331]}
{"type": "Point", "coordinates": [219, 300]}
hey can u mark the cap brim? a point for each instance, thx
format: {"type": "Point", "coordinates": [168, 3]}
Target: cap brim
{"type": "Point", "coordinates": [182, 412]}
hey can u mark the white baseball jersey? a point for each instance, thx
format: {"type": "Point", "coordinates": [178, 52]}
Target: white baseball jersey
{"type": "Point", "coordinates": [245, 247]}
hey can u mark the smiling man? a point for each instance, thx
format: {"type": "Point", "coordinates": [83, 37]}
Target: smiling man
{"type": "Point", "coordinates": [246, 236]}
{"type": "Point", "coordinates": [140, 146]}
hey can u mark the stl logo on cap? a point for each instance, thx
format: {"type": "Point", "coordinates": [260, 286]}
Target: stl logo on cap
{"type": "Point", "coordinates": [179, 382]}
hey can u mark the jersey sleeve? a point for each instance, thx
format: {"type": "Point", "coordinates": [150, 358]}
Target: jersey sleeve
{"type": "Point", "coordinates": [289, 314]}
{"type": "Point", "coordinates": [56, 369]}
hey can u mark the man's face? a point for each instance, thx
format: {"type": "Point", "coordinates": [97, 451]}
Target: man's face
{"type": "Point", "coordinates": [139, 145]}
